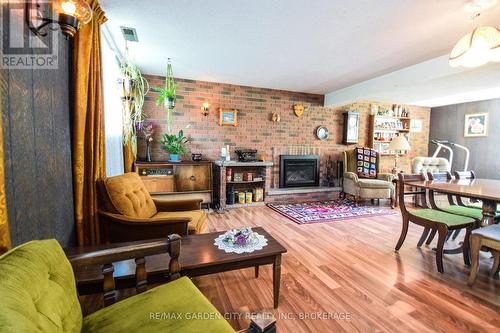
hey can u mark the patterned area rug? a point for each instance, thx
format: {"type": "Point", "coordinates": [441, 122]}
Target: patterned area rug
{"type": "Point", "coordinates": [328, 211]}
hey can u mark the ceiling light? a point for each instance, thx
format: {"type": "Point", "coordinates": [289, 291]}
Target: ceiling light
{"type": "Point", "coordinates": [478, 47]}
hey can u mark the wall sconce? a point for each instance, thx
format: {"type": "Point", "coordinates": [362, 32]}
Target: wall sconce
{"type": "Point", "coordinates": [70, 14]}
{"type": "Point", "coordinates": [204, 109]}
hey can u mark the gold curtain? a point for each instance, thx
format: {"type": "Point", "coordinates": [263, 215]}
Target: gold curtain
{"type": "Point", "coordinates": [4, 225]}
{"type": "Point", "coordinates": [88, 125]}
{"type": "Point", "coordinates": [128, 157]}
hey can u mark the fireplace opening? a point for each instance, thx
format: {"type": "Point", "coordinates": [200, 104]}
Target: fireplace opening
{"type": "Point", "coordinates": [299, 170]}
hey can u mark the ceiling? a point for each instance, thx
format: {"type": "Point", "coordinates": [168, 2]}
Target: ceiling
{"type": "Point", "coordinates": [315, 46]}
{"type": "Point", "coordinates": [430, 83]}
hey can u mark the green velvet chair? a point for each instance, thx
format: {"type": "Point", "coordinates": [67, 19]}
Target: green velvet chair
{"type": "Point", "coordinates": [38, 293]}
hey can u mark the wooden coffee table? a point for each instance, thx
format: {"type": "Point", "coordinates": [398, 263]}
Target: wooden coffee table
{"type": "Point", "coordinates": [199, 256]}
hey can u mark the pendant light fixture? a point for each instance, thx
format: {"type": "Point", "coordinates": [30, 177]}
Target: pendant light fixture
{"type": "Point", "coordinates": [478, 47]}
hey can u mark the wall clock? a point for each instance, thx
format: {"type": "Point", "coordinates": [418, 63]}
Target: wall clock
{"type": "Point", "coordinates": [351, 128]}
{"type": "Point", "coordinates": [322, 133]}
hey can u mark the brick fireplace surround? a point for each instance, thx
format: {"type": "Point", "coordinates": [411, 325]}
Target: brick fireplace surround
{"type": "Point", "coordinates": [292, 135]}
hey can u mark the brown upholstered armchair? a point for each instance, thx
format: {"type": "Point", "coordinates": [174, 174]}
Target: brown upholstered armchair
{"type": "Point", "coordinates": [364, 188]}
{"type": "Point", "coordinates": [127, 212]}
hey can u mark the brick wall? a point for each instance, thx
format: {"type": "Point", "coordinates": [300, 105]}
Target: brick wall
{"type": "Point", "coordinates": [255, 129]}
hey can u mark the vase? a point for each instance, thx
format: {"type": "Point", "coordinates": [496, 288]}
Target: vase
{"type": "Point", "coordinates": [174, 157]}
{"type": "Point", "coordinates": [169, 103]}
{"type": "Point", "coordinates": [148, 152]}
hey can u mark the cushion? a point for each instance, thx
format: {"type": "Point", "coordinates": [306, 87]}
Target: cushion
{"type": "Point", "coordinates": [129, 196]}
{"type": "Point", "coordinates": [464, 211]}
{"type": "Point", "coordinates": [491, 232]}
{"type": "Point", "coordinates": [423, 165]}
{"type": "Point", "coordinates": [374, 183]}
{"type": "Point", "coordinates": [38, 290]}
{"type": "Point", "coordinates": [366, 162]}
{"type": "Point", "coordinates": [198, 224]}
{"type": "Point", "coordinates": [442, 217]}
{"type": "Point", "coordinates": [177, 306]}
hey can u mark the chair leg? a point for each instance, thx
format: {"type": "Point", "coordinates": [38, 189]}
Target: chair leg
{"type": "Point", "coordinates": [456, 233]}
{"type": "Point", "coordinates": [404, 231]}
{"type": "Point", "coordinates": [475, 247]}
{"type": "Point", "coordinates": [424, 236]}
{"type": "Point", "coordinates": [442, 232]}
{"type": "Point", "coordinates": [431, 237]}
{"type": "Point", "coordinates": [448, 236]}
{"type": "Point", "coordinates": [496, 263]}
{"type": "Point", "coordinates": [357, 199]}
{"type": "Point", "coordinates": [466, 247]}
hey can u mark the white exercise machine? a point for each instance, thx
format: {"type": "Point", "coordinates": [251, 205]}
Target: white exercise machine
{"type": "Point", "coordinates": [448, 145]}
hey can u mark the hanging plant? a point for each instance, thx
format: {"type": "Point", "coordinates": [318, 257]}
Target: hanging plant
{"type": "Point", "coordinates": [167, 95]}
{"type": "Point", "coordinates": [134, 87]}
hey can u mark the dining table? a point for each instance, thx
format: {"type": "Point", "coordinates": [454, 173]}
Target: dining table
{"type": "Point", "coordinates": [486, 190]}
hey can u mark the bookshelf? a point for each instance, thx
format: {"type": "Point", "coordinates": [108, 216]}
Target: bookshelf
{"type": "Point", "coordinates": [383, 129]}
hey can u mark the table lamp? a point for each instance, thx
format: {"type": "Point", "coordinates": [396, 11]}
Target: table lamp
{"type": "Point", "coordinates": [397, 144]}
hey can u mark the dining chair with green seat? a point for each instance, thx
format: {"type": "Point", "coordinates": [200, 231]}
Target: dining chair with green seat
{"type": "Point", "coordinates": [466, 175]}
{"type": "Point", "coordinates": [477, 204]}
{"type": "Point", "coordinates": [430, 219]}
{"type": "Point", "coordinates": [452, 207]}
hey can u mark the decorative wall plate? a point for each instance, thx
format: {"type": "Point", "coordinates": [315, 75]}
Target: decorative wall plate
{"type": "Point", "coordinates": [322, 133]}
{"type": "Point", "coordinates": [298, 109]}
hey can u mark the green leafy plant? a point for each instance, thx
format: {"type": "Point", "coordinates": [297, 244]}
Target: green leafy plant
{"type": "Point", "coordinates": [167, 95]}
{"type": "Point", "coordinates": [134, 88]}
{"type": "Point", "coordinates": [175, 144]}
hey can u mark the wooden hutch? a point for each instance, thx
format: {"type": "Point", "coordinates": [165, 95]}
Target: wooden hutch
{"type": "Point", "coordinates": [177, 180]}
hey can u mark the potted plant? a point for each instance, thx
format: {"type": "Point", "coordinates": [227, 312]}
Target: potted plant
{"type": "Point", "coordinates": [175, 144]}
{"type": "Point", "coordinates": [167, 94]}
{"type": "Point", "coordinates": [134, 86]}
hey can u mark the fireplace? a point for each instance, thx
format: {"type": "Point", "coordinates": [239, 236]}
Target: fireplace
{"type": "Point", "coordinates": [299, 170]}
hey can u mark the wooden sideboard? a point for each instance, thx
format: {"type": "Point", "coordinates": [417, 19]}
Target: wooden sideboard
{"type": "Point", "coordinates": [177, 180]}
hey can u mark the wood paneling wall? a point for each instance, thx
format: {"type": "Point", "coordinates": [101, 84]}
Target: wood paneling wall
{"type": "Point", "coordinates": [37, 145]}
{"type": "Point", "coordinates": [447, 123]}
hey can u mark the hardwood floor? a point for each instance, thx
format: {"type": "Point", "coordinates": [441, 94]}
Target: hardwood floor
{"type": "Point", "coordinates": [345, 277]}
{"type": "Point", "coordinates": [347, 273]}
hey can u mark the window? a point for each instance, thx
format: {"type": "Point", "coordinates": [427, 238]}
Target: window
{"type": "Point", "coordinates": [112, 111]}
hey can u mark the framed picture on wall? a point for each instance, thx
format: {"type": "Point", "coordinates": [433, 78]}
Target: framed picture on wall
{"type": "Point", "coordinates": [416, 125]}
{"type": "Point", "coordinates": [228, 117]}
{"type": "Point", "coordinates": [476, 124]}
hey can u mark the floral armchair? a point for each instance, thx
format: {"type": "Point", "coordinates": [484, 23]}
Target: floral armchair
{"type": "Point", "coordinates": [366, 188]}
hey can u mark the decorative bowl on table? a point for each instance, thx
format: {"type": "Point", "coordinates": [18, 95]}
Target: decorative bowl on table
{"type": "Point", "coordinates": [242, 240]}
